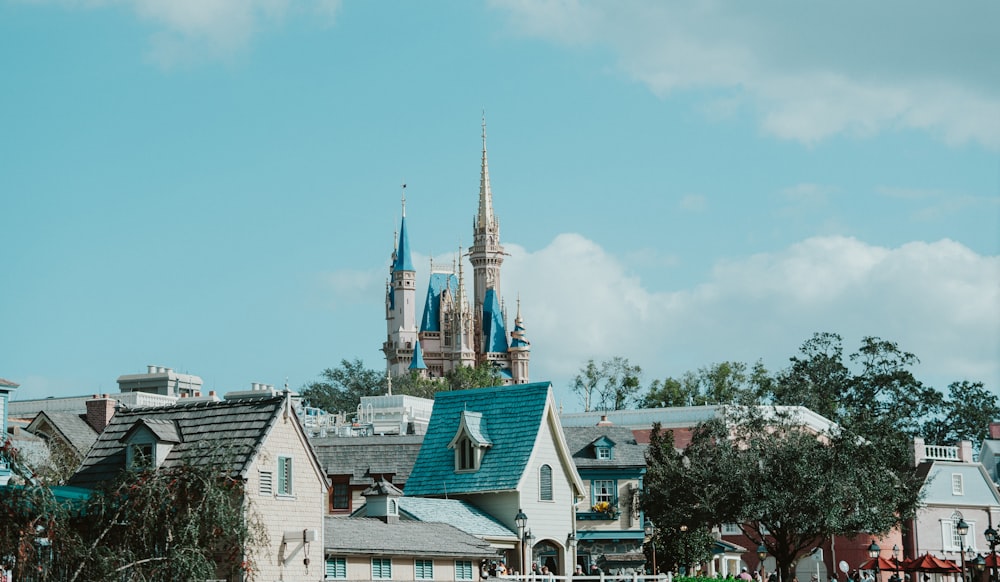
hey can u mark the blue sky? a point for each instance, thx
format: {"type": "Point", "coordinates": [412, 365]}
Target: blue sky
{"type": "Point", "coordinates": [213, 185]}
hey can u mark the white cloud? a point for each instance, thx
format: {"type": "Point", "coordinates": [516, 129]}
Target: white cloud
{"type": "Point", "coordinates": [938, 300]}
{"type": "Point", "coordinates": [811, 70]}
{"type": "Point", "coordinates": [194, 30]}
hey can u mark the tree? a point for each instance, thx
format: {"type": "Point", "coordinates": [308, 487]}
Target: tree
{"type": "Point", "coordinates": [342, 388]}
{"type": "Point", "coordinates": [769, 473]}
{"type": "Point", "coordinates": [464, 377]}
{"type": "Point", "coordinates": [614, 385]}
{"type": "Point", "coordinates": [965, 415]}
{"type": "Point", "coordinates": [720, 383]}
{"type": "Point", "coordinates": [586, 384]}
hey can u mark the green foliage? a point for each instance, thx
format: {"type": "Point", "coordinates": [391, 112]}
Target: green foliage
{"type": "Point", "coordinates": [720, 383]}
{"type": "Point", "coordinates": [964, 415]}
{"type": "Point", "coordinates": [464, 377]}
{"type": "Point", "coordinates": [341, 388]}
{"type": "Point", "coordinates": [615, 385]}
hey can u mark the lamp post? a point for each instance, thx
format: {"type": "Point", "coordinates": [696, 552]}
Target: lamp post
{"type": "Point", "coordinates": [521, 521]}
{"type": "Point", "coordinates": [650, 530]}
{"type": "Point", "coordinates": [979, 564]}
{"type": "Point", "coordinates": [873, 552]}
{"type": "Point", "coordinates": [992, 540]}
{"type": "Point", "coordinates": [962, 528]}
{"type": "Point", "coordinates": [571, 543]}
{"type": "Point", "coordinates": [761, 556]}
{"type": "Point", "coordinates": [895, 562]}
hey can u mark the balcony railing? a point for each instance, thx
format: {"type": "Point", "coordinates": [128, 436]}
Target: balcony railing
{"type": "Point", "coordinates": [940, 453]}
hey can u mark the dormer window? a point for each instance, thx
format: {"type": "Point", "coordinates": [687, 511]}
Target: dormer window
{"type": "Point", "coordinates": [148, 442]}
{"type": "Point", "coordinates": [603, 448]}
{"type": "Point", "coordinates": [140, 456]}
{"type": "Point", "coordinates": [470, 442]}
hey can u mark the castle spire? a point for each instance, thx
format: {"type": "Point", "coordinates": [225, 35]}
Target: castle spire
{"type": "Point", "coordinates": [485, 218]}
{"type": "Point", "coordinates": [401, 260]}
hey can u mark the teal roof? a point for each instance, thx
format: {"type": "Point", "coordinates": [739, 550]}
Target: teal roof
{"type": "Point", "coordinates": [432, 307]}
{"type": "Point", "coordinates": [473, 422]}
{"type": "Point", "coordinates": [403, 260]}
{"type": "Point", "coordinates": [418, 358]}
{"type": "Point", "coordinates": [494, 331]}
{"type": "Point", "coordinates": [512, 415]}
{"type": "Point", "coordinates": [517, 338]}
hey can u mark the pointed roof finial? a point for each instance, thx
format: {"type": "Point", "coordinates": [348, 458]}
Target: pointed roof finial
{"type": "Point", "coordinates": [485, 219]}
{"type": "Point", "coordinates": [403, 199]}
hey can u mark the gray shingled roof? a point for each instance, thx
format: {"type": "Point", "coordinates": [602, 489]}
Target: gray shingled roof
{"type": "Point", "coordinates": [374, 537]}
{"type": "Point", "coordinates": [363, 457]}
{"type": "Point", "coordinates": [235, 428]}
{"type": "Point", "coordinates": [464, 516]}
{"type": "Point", "coordinates": [626, 453]}
{"type": "Point", "coordinates": [71, 426]}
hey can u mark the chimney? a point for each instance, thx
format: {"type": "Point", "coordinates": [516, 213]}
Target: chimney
{"type": "Point", "coordinates": [100, 409]}
{"type": "Point", "coordinates": [604, 421]}
{"type": "Point", "coordinates": [995, 430]}
{"type": "Point", "coordinates": [965, 451]}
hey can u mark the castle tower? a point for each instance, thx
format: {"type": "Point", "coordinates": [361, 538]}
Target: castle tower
{"type": "Point", "coordinates": [400, 304]}
{"type": "Point", "coordinates": [520, 349]}
{"type": "Point", "coordinates": [486, 255]}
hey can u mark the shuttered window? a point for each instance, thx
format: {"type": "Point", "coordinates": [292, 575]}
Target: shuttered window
{"type": "Point", "coordinates": [266, 483]}
{"type": "Point", "coordinates": [336, 567]}
{"type": "Point", "coordinates": [463, 570]}
{"type": "Point", "coordinates": [545, 483]}
{"type": "Point", "coordinates": [423, 569]}
{"type": "Point", "coordinates": [284, 475]}
{"type": "Point", "coordinates": [381, 568]}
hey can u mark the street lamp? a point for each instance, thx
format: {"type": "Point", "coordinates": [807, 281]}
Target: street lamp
{"type": "Point", "coordinates": [873, 552]}
{"type": "Point", "coordinates": [571, 543]}
{"type": "Point", "coordinates": [521, 521]}
{"type": "Point", "coordinates": [962, 528]}
{"type": "Point", "coordinates": [650, 530]}
{"type": "Point", "coordinates": [761, 556]}
{"type": "Point", "coordinates": [895, 560]}
{"type": "Point", "coordinates": [979, 563]}
{"type": "Point", "coordinates": [992, 539]}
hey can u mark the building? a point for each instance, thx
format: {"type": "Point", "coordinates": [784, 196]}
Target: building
{"type": "Point", "coordinates": [454, 329]}
{"type": "Point", "coordinates": [267, 448]}
{"type": "Point", "coordinates": [502, 450]}
{"type": "Point", "coordinates": [989, 452]}
{"type": "Point", "coordinates": [956, 488]}
{"type": "Point", "coordinates": [353, 463]}
{"type": "Point", "coordinates": [609, 521]}
{"type": "Point", "coordinates": [384, 546]}
{"type": "Point", "coordinates": [6, 387]}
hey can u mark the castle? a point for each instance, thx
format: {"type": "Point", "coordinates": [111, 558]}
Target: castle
{"type": "Point", "coordinates": [454, 330]}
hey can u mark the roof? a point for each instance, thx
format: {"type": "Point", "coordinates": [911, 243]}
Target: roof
{"type": "Point", "coordinates": [418, 358]}
{"type": "Point", "coordinates": [72, 428]}
{"type": "Point", "coordinates": [5, 383]}
{"type": "Point", "coordinates": [457, 513]}
{"type": "Point", "coordinates": [494, 330]}
{"type": "Point", "coordinates": [511, 415]}
{"type": "Point", "coordinates": [403, 260]}
{"type": "Point", "coordinates": [235, 428]}
{"type": "Point", "coordinates": [626, 452]}
{"type": "Point", "coordinates": [363, 457]}
{"type": "Point", "coordinates": [372, 536]}
{"type": "Point", "coordinates": [438, 284]}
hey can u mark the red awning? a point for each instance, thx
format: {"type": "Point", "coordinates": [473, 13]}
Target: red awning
{"type": "Point", "coordinates": [885, 565]}
{"type": "Point", "coordinates": [933, 564]}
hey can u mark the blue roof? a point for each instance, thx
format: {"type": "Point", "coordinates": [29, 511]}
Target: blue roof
{"type": "Point", "coordinates": [494, 332]}
{"type": "Point", "coordinates": [418, 358]}
{"type": "Point", "coordinates": [432, 307]}
{"type": "Point", "coordinates": [403, 261]}
{"type": "Point", "coordinates": [517, 337]}
{"type": "Point", "coordinates": [512, 415]}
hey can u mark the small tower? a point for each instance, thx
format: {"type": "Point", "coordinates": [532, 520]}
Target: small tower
{"type": "Point", "coordinates": [401, 309]}
{"type": "Point", "coordinates": [486, 253]}
{"type": "Point", "coordinates": [520, 349]}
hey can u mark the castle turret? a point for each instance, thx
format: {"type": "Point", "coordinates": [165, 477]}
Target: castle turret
{"type": "Point", "coordinates": [401, 309]}
{"type": "Point", "coordinates": [486, 253]}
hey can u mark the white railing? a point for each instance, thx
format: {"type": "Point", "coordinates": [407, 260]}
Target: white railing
{"type": "Point", "coordinates": [940, 453]}
{"type": "Point", "coordinates": [664, 577]}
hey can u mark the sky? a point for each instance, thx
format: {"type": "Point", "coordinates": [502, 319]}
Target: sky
{"type": "Point", "coordinates": [214, 185]}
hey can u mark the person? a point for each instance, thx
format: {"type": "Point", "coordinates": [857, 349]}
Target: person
{"type": "Point", "coordinates": [501, 569]}
{"type": "Point", "coordinates": [744, 575]}
{"type": "Point", "coordinates": [578, 571]}
{"type": "Point", "coordinates": [546, 573]}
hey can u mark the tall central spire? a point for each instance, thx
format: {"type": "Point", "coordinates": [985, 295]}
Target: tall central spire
{"type": "Point", "coordinates": [485, 218]}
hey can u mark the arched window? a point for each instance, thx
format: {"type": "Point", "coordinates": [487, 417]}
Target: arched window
{"type": "Point", "coordinates": [545, 483]}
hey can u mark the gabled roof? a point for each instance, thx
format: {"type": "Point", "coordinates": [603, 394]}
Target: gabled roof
{"type": "Point", "coordinates": [349, 536]}
{"type": "Point", "coordinates": [233, 429]}
{"type": "Point", "coordinates": [5, 383]}
{"type": "Point", "coordinates": [364, 457]}
{"type": "Point", "coordinates": [513, 415]}
{"type": "Point", "coordinates": [455, 512]}
{"type": "Point", "coordinates": [472, 425]}
{"type": "Point", "coordinates": [494, 330]}
{"type": "Point", "coordinates": [627, 452]}
{"type": "Point", "coordinates": [70, 427]}
{"type": "Point", "coordinates": [438, 283]}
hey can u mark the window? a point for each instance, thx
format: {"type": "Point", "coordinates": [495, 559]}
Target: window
{"type": "Point", "coordinates": [954, 542]}
{"type": "Point", "coordinates": [142, 455]}
{"type": "Point", "coordinates": [731, 529]}
{"type": "Point", "coordinates": [604, 491]}
{"type": "Point", "coordinates": [381, 568]}
{"type": "Point", "coordinates": [957, 487]}
{"type": "Point", "coordinates": [545, 483]}
{"type": "Point", "coordinates": [336, 567]}
{"type": "Point", "coordinates": [340, 497]}
{"type": "Point", "coordinates": [423, 569]}
{"type": "Point", "coordinates": [285, 476]}
{"type": "Point", "coordinates": [266, 483]}
{"type": "Point", "coordinates": [466, 456]}
{"type": "Point", "coordinates": [604, 453]}
{"type": "Point", "coordinates": [463, 570]}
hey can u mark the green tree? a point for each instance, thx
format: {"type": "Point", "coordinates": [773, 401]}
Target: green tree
{"type": "Point", "coordinates": [817, 379]}
{"type": "Point", "coordinates": [671, 392]}
{"type": "Point", "coordinates": [965, 415]}
{"type": "Point", "coordinates": [586, 384]}
{"type": "Point", "coordinates": [341, 388]}
{"type": "Point", "coordinates": [621, 384]}
{"type": "Point", "coordinates": [720, 383]}
{"type": "Point", "coordinates": [770, 473]}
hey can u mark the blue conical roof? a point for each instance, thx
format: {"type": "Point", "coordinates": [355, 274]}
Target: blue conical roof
{"type": "Point", "coordinates": [403, 261]}
{"type": "Point", "coordinates": [494, 330]}
{"type": "Point", "coordinates": [418, 358]}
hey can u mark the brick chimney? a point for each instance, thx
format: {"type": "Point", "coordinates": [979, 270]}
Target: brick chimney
{"type": "Point", "coordinates": [100, 409]}
{"type": "Point", "coordinates": [995, 430]}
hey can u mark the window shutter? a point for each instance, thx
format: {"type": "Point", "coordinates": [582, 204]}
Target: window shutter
{"type": "Point", "coordinates": [545, 483]}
